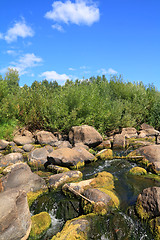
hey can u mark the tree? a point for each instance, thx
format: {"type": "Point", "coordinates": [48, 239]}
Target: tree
{"type": "Point", "coordinates": [12, 80]}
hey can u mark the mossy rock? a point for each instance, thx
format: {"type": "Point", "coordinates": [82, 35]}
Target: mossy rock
{"type": "Point", "coordinates": [114, 199]}
{"type": "Point", "coordinates": [78, 165]}
{"type": "Point", "coordinates": [103, 180]}
{"type": "Point", "coordinates": [75, 229]}
{"type": "Point", "coordinates": [105, 154]}
{"type": "Point", "coordinates": [57, 169]}
{"type": "Point", "coordinates": [40, 223]}
{"type": "Point", "coordinates": [43, 174]}
{"type": "Point", "coordinates": [137, 171]}
{"type": "Point", "coordinates": [141, 211]}
{"type": "Point", "coordinates": [32, 196]}
{"type": "Point", "coordinates": [155, 227]}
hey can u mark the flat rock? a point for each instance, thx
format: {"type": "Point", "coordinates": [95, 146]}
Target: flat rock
{"type": "Point", "coordinates": [96, 195]}
{"type": "Point", "coordinates": [22, 140]}
{"type": "Point", "coordinates": [20, 177]}
{"type": "Point", "coordinates": [59, 179]}
{"type": "Point", "coordinates": [67, 157]}
{"type": "Point", "coordinates": [15, 219]}
{"type": "Point", "coordinates": [88, 135]}
{"type": "Point", "coordinates": [44, 137]}
{"type": "Point", "coordinates": [129, 132]}
{"type": "Point", "coordinates": [11, 158]}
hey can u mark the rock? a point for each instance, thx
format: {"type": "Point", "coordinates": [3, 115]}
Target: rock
{"type": "Point", "coordinates": [57, 169]}
{"type": "Point", "coordinates": [119, 141]}
{"type": "Point", "coordinates": [49, 148]}
{"type": "Point", "coordinates": [20, 177]}
{"type": "Point", "coordinates": [105, 144]}
{"type": "Point", "coordinates": [137, 171]}
{"type": "Point", "coordinates": [96, 195]}
{"type": "Point", "coordinates": [142, 134]}
{"type": "Point", "coordinates": [81, 145]}
{"type": "Point", "coordinates": [44, 137]}
{"type": "Point", "coordinates": [26, 133]}
{"type": "Point", "coordinates": [67, 157]}
{"type": "Point", "coordinates": [97, 192]}
{"type": "Point", "coordinates": [105, 154]}
{"type": "Point", "coordinates": [85, 134]}
{"type": "Point", "coordinates": [15, 219]}
{"type": "Point", "coordinates": [77, 228]}
{"type": "Point", "coordinates": [3, 144]}
{"type": "Point", "coordinates": [148, 203]}
{"type": "Point", "coordinates": [59, 179]}
{"type": "Point", "coordinates": [155, 227]}
{"type": "Point", "coordinates": [28, 147]}
{"type": "Point", "coordinates": [149, 130]}
{"type": "Point", "coordinates": [11, 158]}
{"type": "Point", "coordinates": [40, 223]}
{"type": "Point", "coordinates": [38, 157]}
{"type": "Point", "coordinates": [16, 149]}
{"type": "Point", "coordinates": [62, 144]}
{"type": "Point", "coordinates": [22, 140]}
{"type": "Point", "coordinates": [129, 132]}
{"type": "Point", "coordinates": [151, 153]}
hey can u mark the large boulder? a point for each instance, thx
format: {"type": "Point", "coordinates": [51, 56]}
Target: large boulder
{"type": "Point", "coordinates": [20, 177]}
{"type": "Point", "coordinates": [59, 179]}
{"type": "Point", "coordinates": [148, 203]}
{"type": "Point", "coordinates": [38, 157]}
{"type": "Point", "coordinates": [15, 219]}
{"type": "Point", "coordinates": [22, 140]}
{"type": "Point", "coordinates": [11, 158]}
{"type": "Point", "coordinates": [151, 153]}
{"type": "Point", "coordinates": [85, 134]}
{"type": "Point", "coordinates": [67, 157]}
{"type": "Point", "coordinates": [44, 137]}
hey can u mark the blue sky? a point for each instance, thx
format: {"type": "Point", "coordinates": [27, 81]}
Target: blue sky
{"type": "Point", "coordinates": [56, 40]}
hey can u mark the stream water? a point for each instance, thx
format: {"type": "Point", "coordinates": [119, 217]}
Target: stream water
{"type": "Point", "coordinates": [122, 224]}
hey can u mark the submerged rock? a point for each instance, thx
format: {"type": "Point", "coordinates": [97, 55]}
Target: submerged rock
{"type": "Point", "coordinates": [15, 220]}
{"type": "Point", "coordinates": [85, 134]}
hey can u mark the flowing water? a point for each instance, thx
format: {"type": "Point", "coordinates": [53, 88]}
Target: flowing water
{"type": "Point", "coordinates": [118, 225]}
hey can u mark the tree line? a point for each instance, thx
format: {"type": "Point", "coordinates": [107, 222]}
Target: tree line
{"type": "Point", "coordinates": [97, 101]}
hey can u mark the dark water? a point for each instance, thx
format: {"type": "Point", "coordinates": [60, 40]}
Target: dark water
{"type": "Point", "coordinates": [118, 225]}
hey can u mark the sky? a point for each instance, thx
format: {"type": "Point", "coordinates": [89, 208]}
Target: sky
{"type": "Point", "coordinates": [70, 39]}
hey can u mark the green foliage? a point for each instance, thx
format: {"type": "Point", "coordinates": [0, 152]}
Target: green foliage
{"type": "Point", "coordinates": [104, 104]}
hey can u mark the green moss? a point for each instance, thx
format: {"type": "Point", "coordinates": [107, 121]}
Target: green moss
{"type": "Point", "coordinates": [155, 227]}
{"type": "Point", "coordinates": [141, 211]}
{"type": "Point", "coordinates": [92, 151]}
{"type": "Point", "coordinates": [40, 223]}
{"type": "Point", "coordinates": [103, 180]}
{"type": "Point", "coordinates": [105, 154]}
{"type": "Point", "coordinates": [137, 171]}
{"type": "Point", "coordinates": [32, 196]}
{"type": "Point", "coordinates": [57, 169]}
{"type": "Point", "coordinates": [78, 165]}
{"type": "Point", "coordinates": [43, 174]}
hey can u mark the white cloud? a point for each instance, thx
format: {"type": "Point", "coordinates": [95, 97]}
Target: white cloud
{"type": "Point", "coordinates": [80, 12]}
{"type": "Point", "coordinates": [26, 61]}
{"type": "Point", "coordinates": [11, 52]}
{"type": "Point", "coordinates": [58, 27]}
{"type": "Point", "coordinates": [110, 71]}
{"type": "Point", "coordinates": [19, 29]}
{"type": "Point", "coordinates": [83, 67]}
{"type": "Point", "coordinates": [71, 69]}
{"type": "Point", "coordinates": [52, 75]}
